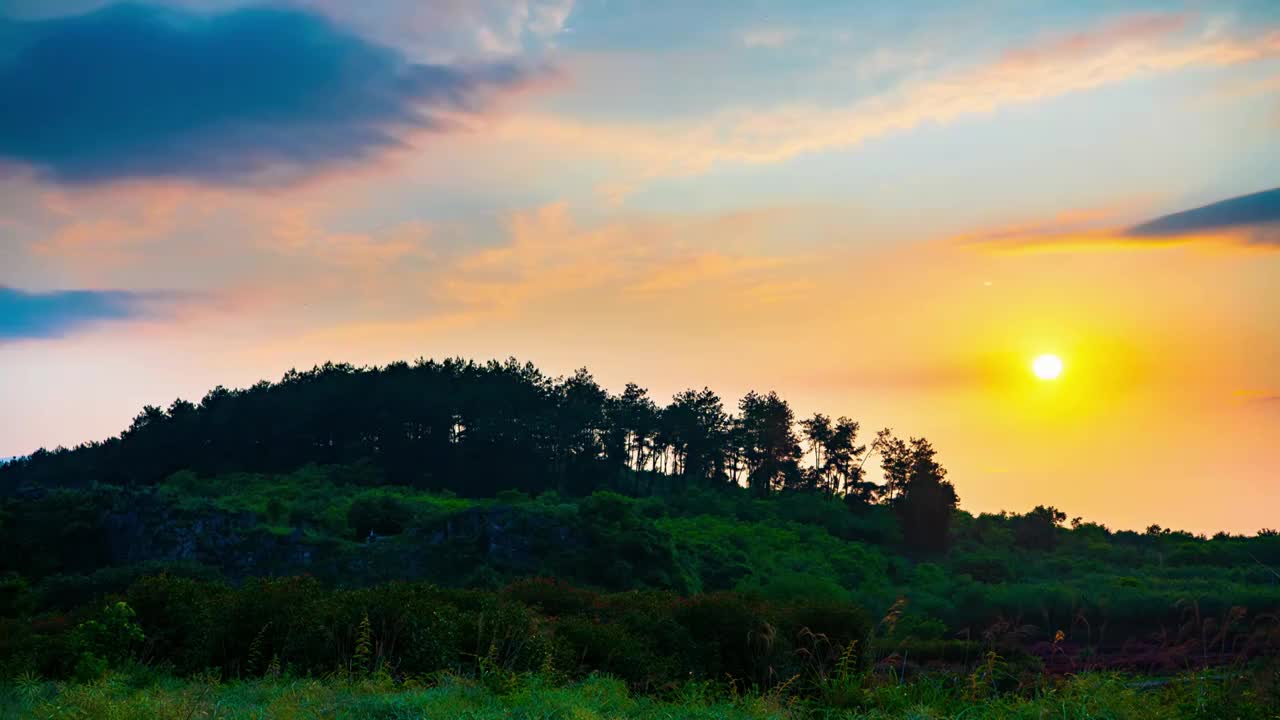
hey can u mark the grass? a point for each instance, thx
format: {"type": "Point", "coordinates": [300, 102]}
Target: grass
{"type": "Point", "coordinates": [1086, 697]}
{"type": "Point", "coordinates": [451, 699]}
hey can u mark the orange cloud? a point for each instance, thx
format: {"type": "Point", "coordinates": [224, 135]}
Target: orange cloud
{"type": "Point", "coordinates": [550, 257]}
{"type": "Point", "coordinates": [100, 232]}
{"type": "Point", "coordinates": [1084, 241]}
{"type": "Point", "coordinates": [1105, 229]}
{"type": "Point", "coordinates": [696, 277]}
{"type": "Point", "coordinates": [135, 233]}
{"type": "Point", "coordinates": [700, 268]}
{"type": "Point", "coordinates": [1099, 40]}
{"type": "Point", "coordinates": [292, 231]}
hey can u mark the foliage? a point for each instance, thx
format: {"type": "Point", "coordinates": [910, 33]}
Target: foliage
{"type": "Point", "coordinates": [1199, 598]}
{"type": "Point", "coordinates": [650, 639]}
{"type": "Point", "coordinates": [459, 426]}
{"type": "Point", "coordinates": [141, 695]}
{"type": "Point", "coordinates": [546, 525]}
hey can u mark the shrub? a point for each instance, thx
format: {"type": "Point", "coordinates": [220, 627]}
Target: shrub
{"type": "Point", "coordinates": [586, 645]}
{"type": "Point", "coordinates": [182, 618]}
{"type": "Point", "coordinates": [552, 596]}
{"type": "Point", "coordinates": [16, 597]}
{"type": "Point", "coordinates": [732, 636]}
{"type": "Point", "coordinates": [378, 514]}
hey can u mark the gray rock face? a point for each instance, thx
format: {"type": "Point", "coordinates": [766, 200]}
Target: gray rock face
{"type": "Point", "coordinates": [504, 539]}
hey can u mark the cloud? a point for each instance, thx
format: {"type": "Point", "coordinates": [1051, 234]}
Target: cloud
{"type": "Point", "coordinates": [292, 233]}
{"type": "Point", "coordinates": [431, 31]}
{"type": "Point", "coordinates": [1257, 215]}
{"type": "Point", "coordinates": [100, 231]}
{"type": "Point", "coordinates": [1070, 230]}
{"type": "Point", "coordinates": [1245, 221]}
{"type": "Point", "coordinates": [549, 263]}
{"type": "Point", "coordinates": [27, 315]}
{"type": "Point", "coordinates": [699, 276]}
{"type": "Point", "coordinates": [1049, 68]}
{"type": "Point", "coordinates": [248, 96]}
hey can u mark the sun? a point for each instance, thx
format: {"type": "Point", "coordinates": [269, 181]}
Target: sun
{"type": "Point", "coordinates": [1047, 367]}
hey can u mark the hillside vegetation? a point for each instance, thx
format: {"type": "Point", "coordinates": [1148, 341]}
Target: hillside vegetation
{"type": "Point", "coordinates": [440, 524]}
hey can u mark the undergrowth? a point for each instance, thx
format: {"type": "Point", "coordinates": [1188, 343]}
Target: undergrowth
{"type": "Point", "coordinates": [144, 694]}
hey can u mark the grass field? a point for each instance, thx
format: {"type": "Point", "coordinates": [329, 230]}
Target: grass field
{"type": "Point", "coordinates": [140, 696]}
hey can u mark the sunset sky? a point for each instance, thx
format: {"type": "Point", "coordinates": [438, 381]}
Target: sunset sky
{"type": "Point", "coordinates": [878, 213]}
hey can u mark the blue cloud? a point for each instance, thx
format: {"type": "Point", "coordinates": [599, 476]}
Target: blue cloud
{"type": "Point", "coordinates": [250, 95]}
{"type": "Point", "coordinates": [25, 315]}
{"type": "Point", "coordinates": [1256, 211]}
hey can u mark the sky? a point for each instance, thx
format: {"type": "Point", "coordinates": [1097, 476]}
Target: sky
{"type": "Point", "coordinates": [880, 210]}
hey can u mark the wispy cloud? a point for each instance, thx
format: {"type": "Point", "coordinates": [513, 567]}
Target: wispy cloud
{"type": "Point", "coordinates": [691, 274]}
{"type": "Point", "coordinates": [29, 315]}
{"type": "Point", "coordinates": [293, 233]}
{"type": "Point", "coordinates": [1048, 68]}
{"type": "Point", "coordinates": [93, 234]}
{"type": "Point", "coordinates": [254, 95]}
{"type": "Point", "coordinates": [1246, 221]}
{"type": "Point", "coordinates": [550, 257]}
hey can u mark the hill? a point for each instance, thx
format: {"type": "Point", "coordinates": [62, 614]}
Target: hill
{"type": "Point", "coordinates": [491, 484]}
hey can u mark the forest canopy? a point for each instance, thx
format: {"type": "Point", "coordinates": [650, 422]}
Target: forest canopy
{"type": "Point", "coordinates": [479, 429]}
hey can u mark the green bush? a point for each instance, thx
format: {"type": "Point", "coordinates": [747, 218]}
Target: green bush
{"type": "Point", "coordinates": [587, 645]}
{"type": "Point", "coordinates": [379, 515]}
{"type": "Point", "coordinates": [552, 596]}
{"type": "Point", "coordinates": [732, 636]}
{"type": "Point", "coordinates": [183, 618]}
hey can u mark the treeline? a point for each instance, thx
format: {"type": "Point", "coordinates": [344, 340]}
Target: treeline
{"type": "Point", "coordinates": [478, 429]}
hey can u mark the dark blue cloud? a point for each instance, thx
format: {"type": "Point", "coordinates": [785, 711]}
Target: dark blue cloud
{"type": "Point", "coordinates": [26, 315]}
{"type": "Point", "coordinates": [251, 95]}
{"type": "Point", "coordinates": [1259, 211]}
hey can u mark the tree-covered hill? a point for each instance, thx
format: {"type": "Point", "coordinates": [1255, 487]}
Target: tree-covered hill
{"type": "Point", "coordinates": [478, 429]}
{"type": "Point", "coordinates": [480, 477]}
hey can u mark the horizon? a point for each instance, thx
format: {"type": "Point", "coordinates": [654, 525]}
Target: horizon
{"type": "Point", "coordinates": [1048, 243]}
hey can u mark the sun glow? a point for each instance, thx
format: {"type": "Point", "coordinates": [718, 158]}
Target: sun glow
{"type": "Point", "coordinates": [1047, 367]}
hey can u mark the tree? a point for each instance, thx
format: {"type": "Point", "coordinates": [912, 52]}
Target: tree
{"type": "Point", "coordinates": [836, 457]}
{"type": "Point", "coordinates": [579, 431]}
{"type": "Point", "coordinates": [633, 423]}
{"type": "Point", "coordinates": [1038, 529]}
{"type": "Point", "coordinates": [770, 447]}
{"type": "Point", "coordinates": [735, 451]}
{"type": "Point", "coordinates": [923, 500]}
{"type": "Point", "coordinates": [477, 429]}
{"type": "Point", "coordinates": [895, 462]}
{"type": "Point", "coordinates": [695, 426]}
{"type": "Point", "coordinates": [818, 434]}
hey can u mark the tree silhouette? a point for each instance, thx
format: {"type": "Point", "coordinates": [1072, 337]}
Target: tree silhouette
{"type": "Point", "coordinates": [1038, 529]}
{"type": "Point", "coordinates": [477, 429]}
{"type": "Point", "coordinates": [922, 499]}
{"type": "Point", "coordinates": [837, 464]}
{"type": "Point", "coordinates": [769, 443]}
{"type": "Point", "coordinates": [696, 427]}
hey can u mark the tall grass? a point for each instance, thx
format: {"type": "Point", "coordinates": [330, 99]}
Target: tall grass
{"type": "Point", "coordinates": [144, 696]}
